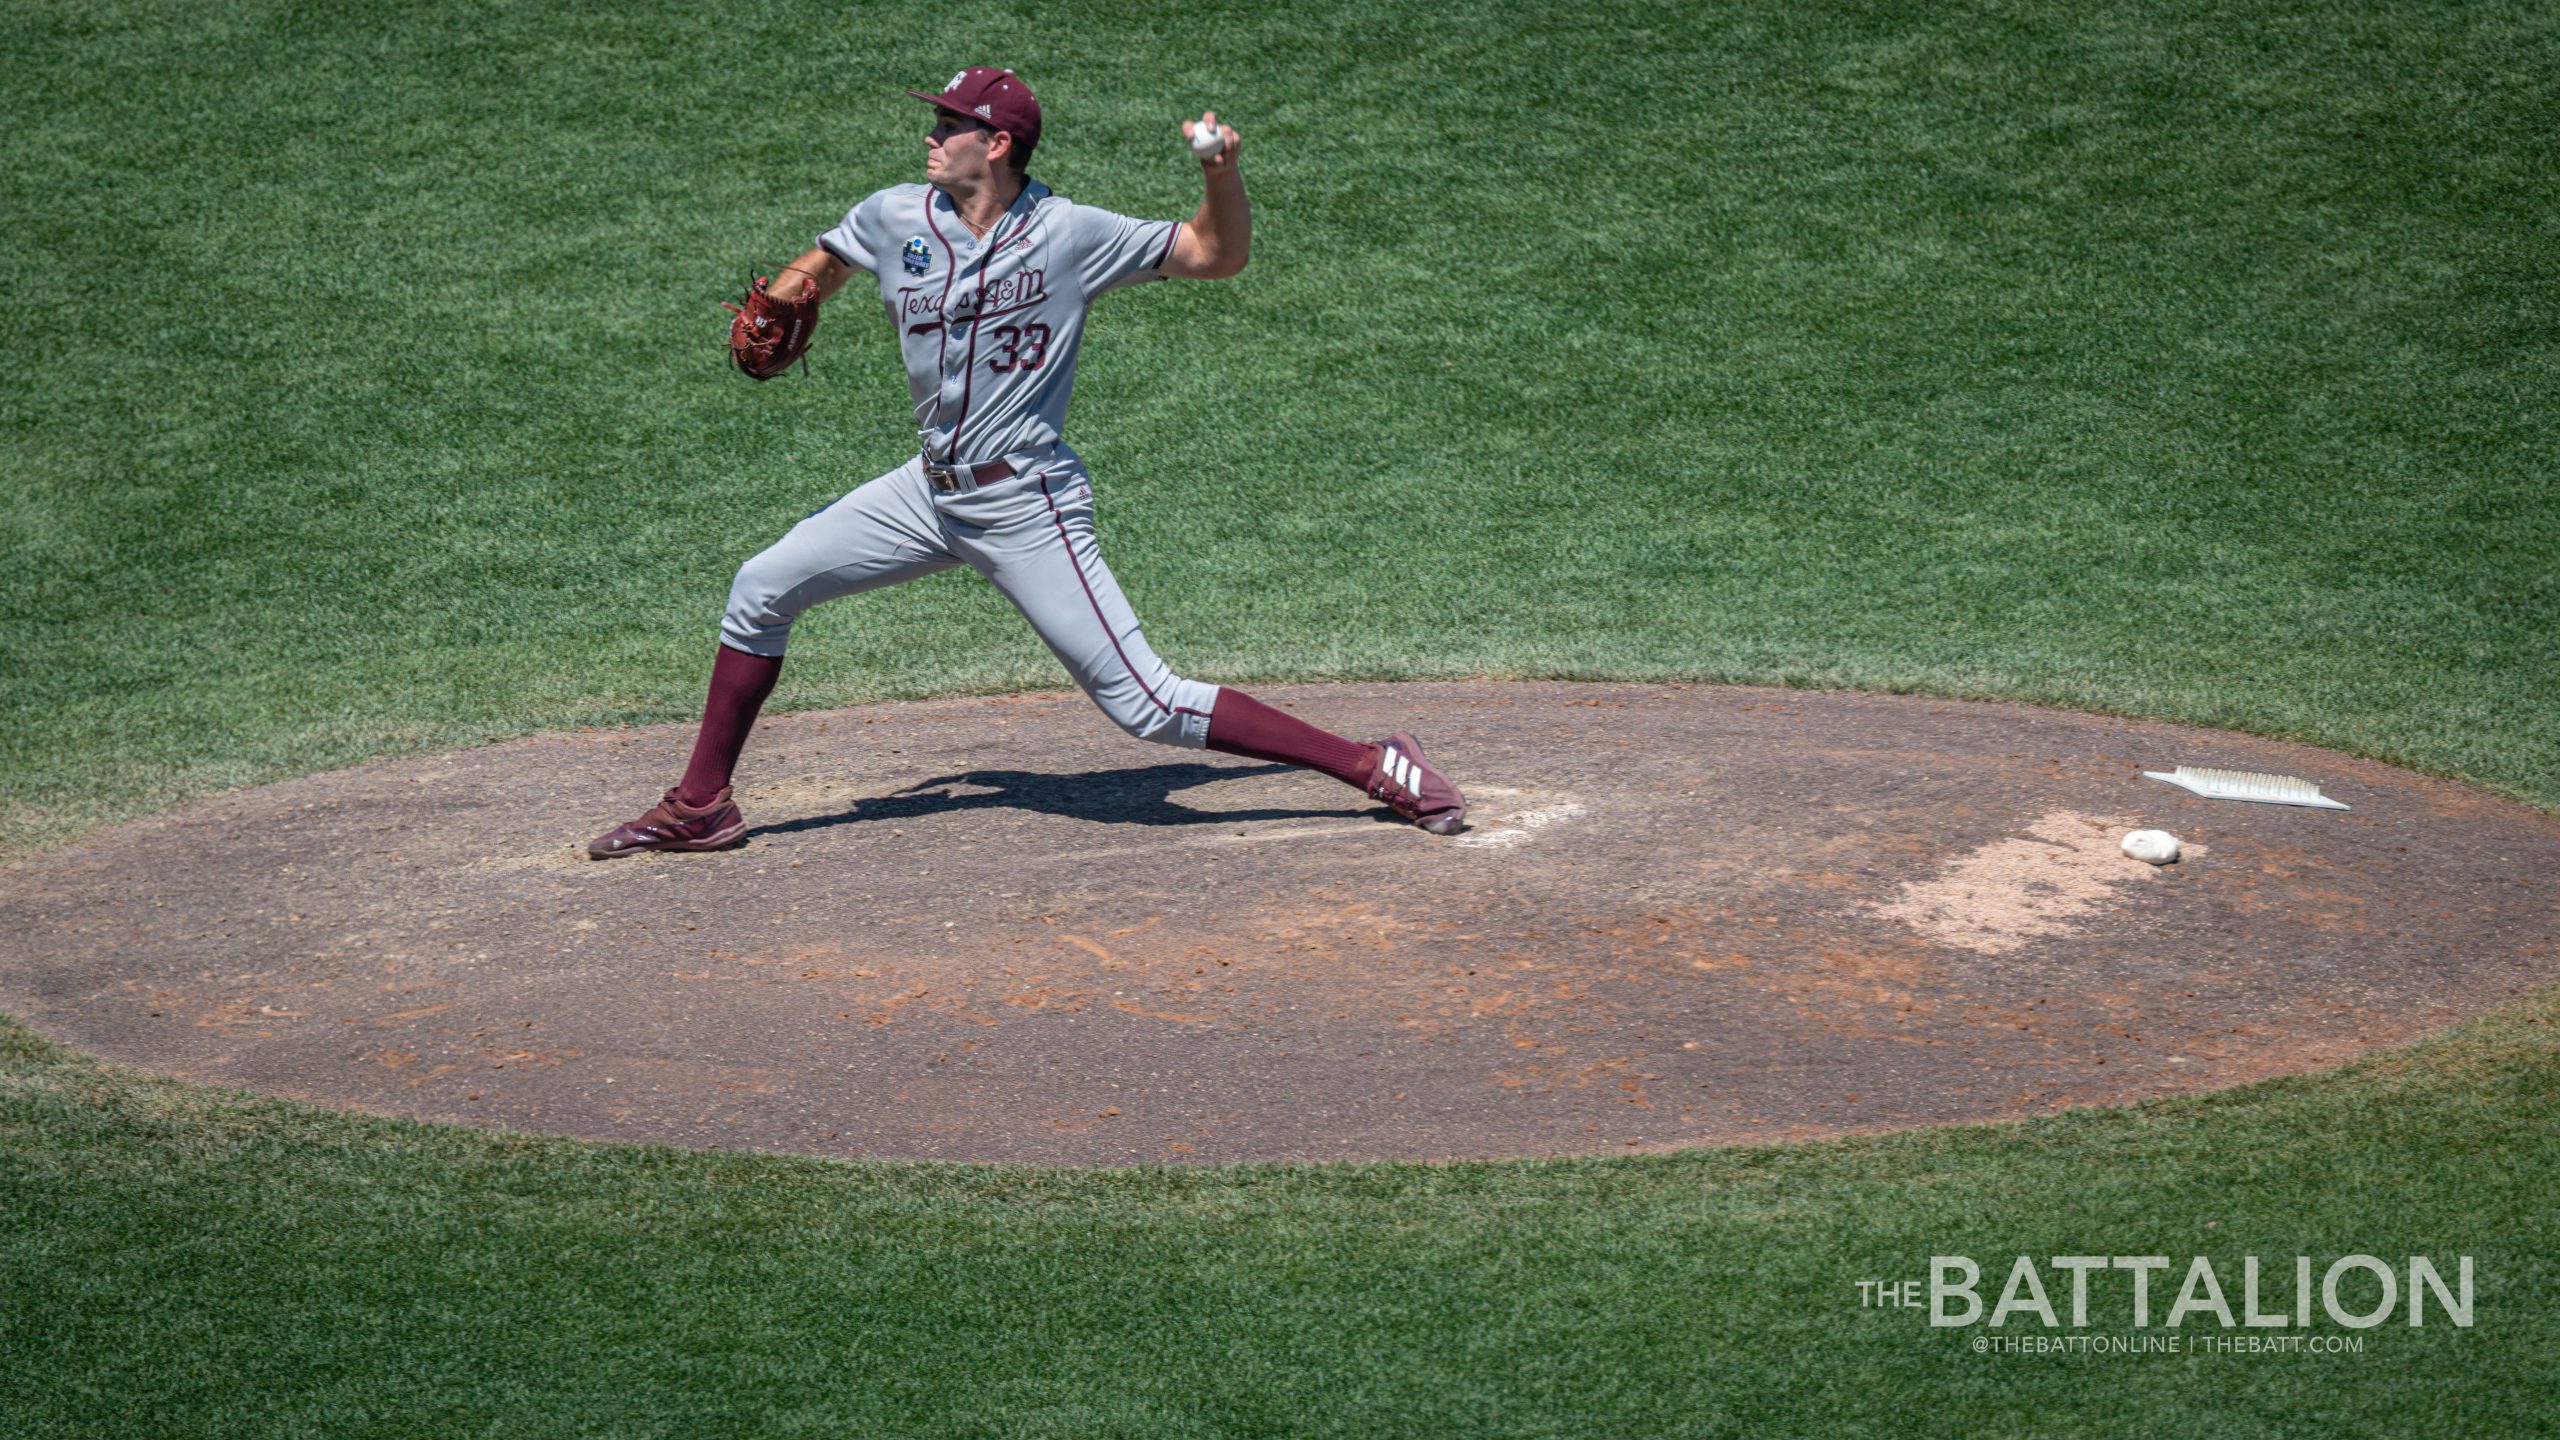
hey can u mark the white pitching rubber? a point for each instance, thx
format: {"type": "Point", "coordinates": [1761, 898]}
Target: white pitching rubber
{"type": "Point", "coordinates": [2247, 785]}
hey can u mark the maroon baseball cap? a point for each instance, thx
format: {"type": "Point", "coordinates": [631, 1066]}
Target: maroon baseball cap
{"type": "Point", "coordinates": [997, 97]}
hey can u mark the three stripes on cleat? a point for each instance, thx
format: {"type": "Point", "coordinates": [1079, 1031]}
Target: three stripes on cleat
{"type": "Point", "coordinates": [1400, 769]}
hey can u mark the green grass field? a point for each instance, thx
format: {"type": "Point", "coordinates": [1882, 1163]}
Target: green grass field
{"type": "Point", "coordinates": [365, 397]}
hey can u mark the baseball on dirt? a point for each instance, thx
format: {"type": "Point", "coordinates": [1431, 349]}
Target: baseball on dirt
{"type": "Point", "coordinates": [2152, 847]}
{"type": "Point", "coordinates": [1206, 138]}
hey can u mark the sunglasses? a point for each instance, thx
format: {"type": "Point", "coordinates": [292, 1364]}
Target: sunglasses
{"type": "Point", "coordinates": [950, 125]}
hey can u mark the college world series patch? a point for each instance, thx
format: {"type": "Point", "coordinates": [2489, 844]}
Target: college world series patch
{"type": "Point", "coordinates": [917, 257]}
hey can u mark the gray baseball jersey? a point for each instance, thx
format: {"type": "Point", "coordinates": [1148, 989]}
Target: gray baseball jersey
{"type": "Point", "coordinates": [989, 327]}
{"type": "Point", "coordinates": [989, 330]}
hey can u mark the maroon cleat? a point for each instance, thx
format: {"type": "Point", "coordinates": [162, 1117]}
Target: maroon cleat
{"type": "Point", "coordinates": [673, 825]}
{"type": "Point", "coordinates": [1415, 786]}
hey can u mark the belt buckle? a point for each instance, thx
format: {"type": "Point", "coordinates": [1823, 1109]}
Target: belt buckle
{"type": "Point", "coordinates": [945, 478]}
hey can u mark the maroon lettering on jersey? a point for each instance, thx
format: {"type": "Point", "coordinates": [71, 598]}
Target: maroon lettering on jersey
{"type": "Point", "coordinates": [920, 306]}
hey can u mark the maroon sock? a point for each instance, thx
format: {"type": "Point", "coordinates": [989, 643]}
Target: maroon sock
{"type": "Point", "coordinates": [739, 684]}
{"type": "Point", "coordinates": [1242, 725]}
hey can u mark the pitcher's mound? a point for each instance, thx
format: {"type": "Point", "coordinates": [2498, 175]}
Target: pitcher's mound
{"type": "Point", "coordinates": [999, 930]}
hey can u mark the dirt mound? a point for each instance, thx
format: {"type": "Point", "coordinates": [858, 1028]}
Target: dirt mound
{"type": "Point", "coordinates": [999, 930]}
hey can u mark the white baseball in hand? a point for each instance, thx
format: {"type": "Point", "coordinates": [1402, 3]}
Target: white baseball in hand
{"type": "Point", "coordinates": [2152, 847]}
{"type": "Point", "coordinates": [1206, 139]}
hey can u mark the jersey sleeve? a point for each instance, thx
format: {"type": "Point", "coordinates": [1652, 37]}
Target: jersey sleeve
{"type": "Point", "coordinates": [1114, 250]}
{"type": "Point", "coordinates": [858, 239]}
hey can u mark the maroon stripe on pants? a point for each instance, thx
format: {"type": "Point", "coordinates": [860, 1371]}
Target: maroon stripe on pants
{"type": "Point", "coordinates": [1090, 599]}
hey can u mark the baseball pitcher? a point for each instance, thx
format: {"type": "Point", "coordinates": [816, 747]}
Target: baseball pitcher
{"type": "Point", "coordinates": [986, 277]}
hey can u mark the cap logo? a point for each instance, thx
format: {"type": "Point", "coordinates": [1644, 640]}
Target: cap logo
{"type": "Point", "coordinates": [955, 82]}
{"type": "Point", "coordinates": [987, 112]}
{"type": "Point", "coordinates": [917, 256]}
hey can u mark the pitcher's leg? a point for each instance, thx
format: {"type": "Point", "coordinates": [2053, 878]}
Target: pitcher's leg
{"type": "Point", "coordinates": [740, 682]}
{"type": "Point", "coordinates": [1047, 563]}
{"type": "Point", "coordinates": [881, 533]}
{"type": "Point", "coordinates": [1044, 557]}
{"type": "Point", "coordinates": [1393, 769]}
{"type": "Point", "coordinates": [1242, 725]}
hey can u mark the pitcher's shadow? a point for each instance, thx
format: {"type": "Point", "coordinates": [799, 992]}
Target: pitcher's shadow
{"type": "Point", "coordinates": [1138, 796]}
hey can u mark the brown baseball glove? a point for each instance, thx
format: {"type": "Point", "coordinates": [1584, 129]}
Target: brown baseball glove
{"type": "Point", "coordinates": [770, 333]}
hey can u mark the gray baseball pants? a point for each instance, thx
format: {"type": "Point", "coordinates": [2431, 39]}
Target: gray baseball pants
{"type": "Point", "coordinates": [1031, 534]}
